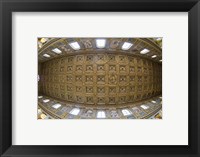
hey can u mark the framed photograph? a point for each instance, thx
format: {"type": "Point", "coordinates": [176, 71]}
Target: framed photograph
{"type": "Point", "coordinates": [99, 78]}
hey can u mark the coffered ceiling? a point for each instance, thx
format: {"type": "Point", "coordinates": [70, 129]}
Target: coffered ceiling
{"type": "Point", "coordinates": [100, 72]}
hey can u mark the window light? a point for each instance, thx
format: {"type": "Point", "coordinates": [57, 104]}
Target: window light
{"type": "Point", "coordinates": [100, 43]}
{"type": "Point", "coordinates": [144, 51]}
{"type": "Point", "coordinates": [126, 112]}
{"type": "Point", "coordinates": [56, 50]}
{"type": "Point", "coordinates": [144, 106]}
{"type": "Point", "coordinates": [101, 114]}
{"type": "Point", "coordinates": [126, 46]}
{"type": "Point", "coordinates": [46, 55]}
{"type": "Point", "coordinates": [158, 39]}
{"type": "Point", "coordinates": [56, 106]}
{"type": "Point", "coordinates": [43, 40]}
{"type": "Point", "coordinates": [154, 56]}
{"type": "Point", "coordinates": [75, 111]}
{"type": "Point", "coordinates": [43, 116]}
{"type": "Point", "coordinates": [75, 45]}
{"type": "Point", "coordinates": [40, 97]}
{"type": "Point", "coordinates": [46, 100]}
{"type": "Point", "coordinates": [153, 101]}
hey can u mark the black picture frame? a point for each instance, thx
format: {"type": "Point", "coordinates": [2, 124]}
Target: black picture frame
{"type": "Point", "coordinates": [9, 6]}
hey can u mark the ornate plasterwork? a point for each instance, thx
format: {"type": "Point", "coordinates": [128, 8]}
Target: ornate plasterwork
{"type": "Point", "coordinates": [101, 78]}
{"type": "Point", "coordinates": [89, 44]}
{"type": "Point", "coordinates": [136, 111]}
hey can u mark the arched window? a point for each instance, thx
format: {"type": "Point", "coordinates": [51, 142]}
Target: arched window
{"type": "Point", "coordinates": [75, 45]}
{"type": "Point", "coordinates": [46, 100]}
{"type": "Point", "coordinates": [56, 106]}
{"type": "Point", "coordinates": [144, 51]}
{"type": "Point", "coordinates": [126, 112]}
{"type": "Point", "coordinates": [145, 107]}
{"type": "Point", "coordinates": [126, 46]}
{"type": "Point", "coordinates": [153, 101]}
{"type": "Point", "coordinates": [46, 55]}
{"type": "Point", "coordinates": [100, 43]}
{"type": "Point", "coordinates": [101, 114]}
{"type": "Point", "coordinates": [75, 111]}
{"type": "Point", "coordinates": [56, 50]}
